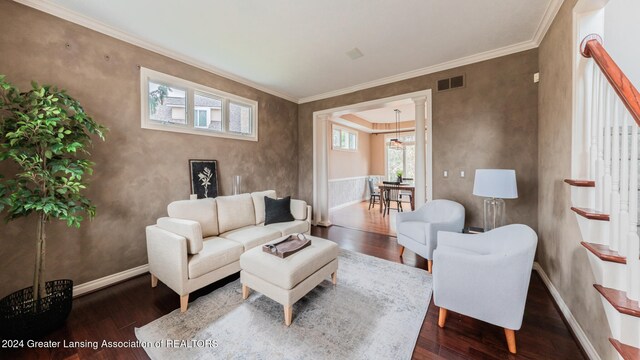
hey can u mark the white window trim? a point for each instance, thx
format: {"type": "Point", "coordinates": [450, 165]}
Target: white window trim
{"type": "Point", "coordinates": [348, 131]}
{"type": "Point", "coordinates": [147, 75]}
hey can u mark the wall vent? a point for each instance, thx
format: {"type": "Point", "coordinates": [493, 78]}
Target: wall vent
{"type": "Point", "coordinates": [451, 83]}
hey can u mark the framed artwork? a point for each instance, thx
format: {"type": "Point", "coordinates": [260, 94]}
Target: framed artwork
{"type": "Point", "coordinates": [204, 178]}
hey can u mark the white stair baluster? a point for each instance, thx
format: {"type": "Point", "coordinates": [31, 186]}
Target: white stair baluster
{"type": "Point", "coordinates": [633, 262]}
{"type": "Point", "coordinates": [624, 184]}
{"type": "Point", "coordinates": [600, 160]}
{"type": "Point", "coordinates": [614, 217]}
{"type": "Point", "coordinates": [606, 115]}
{"type": "Point", "coordinates": [593, 119]}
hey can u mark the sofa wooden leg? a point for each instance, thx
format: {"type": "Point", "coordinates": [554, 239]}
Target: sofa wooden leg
{"type": "Point", "coordinates": [429, 266]}
{"type": "Point", "coordinates": [511, 339]}
{"type": "Point", "coordinates": [334, 277]}
{"type": "Point", "coordinates": [245, 292]}
{"type": "Point", "coordinates": [184, 302]}
{"type": "Point", "coordinates": [401, 250]}
{"type": "Point", "coordinates": [154, 281]}
{"type": "Point", "coordinates": [442, 317]}
{"type": "Point", "coordinates": [288, 313]}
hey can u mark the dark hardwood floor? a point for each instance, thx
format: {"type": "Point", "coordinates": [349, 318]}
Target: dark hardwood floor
{"type": "Point", "coordinates": [113, 313]}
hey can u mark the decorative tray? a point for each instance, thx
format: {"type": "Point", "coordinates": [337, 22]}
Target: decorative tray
{"type": "Point", "coordinates": [288, 246]}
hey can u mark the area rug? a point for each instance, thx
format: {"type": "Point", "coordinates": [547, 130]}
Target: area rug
{"type": "Point", "coordinates": [375, 312]}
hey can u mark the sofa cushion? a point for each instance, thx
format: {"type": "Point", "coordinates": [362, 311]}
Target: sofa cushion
{"type": "Point", "coordinates": [291, 227]}
{"type": "Point", "coordinates": [235, 211]}
{"type": "Point", "coordinates": [277, 210]}
{"type": "Point", "coordinates": [216, 252]}
{"type": "Point", "coordinates": [258, 203]}
{"type": "Point", "coordinates": [252, 236]}
{"type": "Point", "coordinates": [290, 271]}
{"type": "Point", "coordinates": [299, 209]}
{"type": "Point", "coordinates": [203, 211]}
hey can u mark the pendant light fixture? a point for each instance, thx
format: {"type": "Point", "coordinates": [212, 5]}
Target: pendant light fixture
{"type": "Point", "coordinates": [395, 143]}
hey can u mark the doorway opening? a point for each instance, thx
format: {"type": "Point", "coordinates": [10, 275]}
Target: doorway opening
{"type": "Point", "coordinates": [351, 144]}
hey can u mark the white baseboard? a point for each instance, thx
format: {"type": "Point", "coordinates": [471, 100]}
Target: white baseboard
{"type": "Point", "coordinates": [573, 323]}
{"type": "Point", "coordinates": [109, 280]}
{"type": "Point", "coordinates": [347, 204]}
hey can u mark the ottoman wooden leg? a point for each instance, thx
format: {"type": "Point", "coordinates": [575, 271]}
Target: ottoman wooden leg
{"type": "Point", "coordinates": [334, 277]}
{"type": "Point", "coordinates": [288, 312]}
{"type": "Point", "coordinates": [245, 292]}
{"type": "Point", "coordinates": [154, 281]}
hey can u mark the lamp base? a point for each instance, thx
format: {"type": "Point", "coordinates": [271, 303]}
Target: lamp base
{"type": "Point", "coordinates": [493, 213]}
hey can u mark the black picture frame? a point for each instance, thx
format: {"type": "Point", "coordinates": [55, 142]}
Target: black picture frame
{"type": "Point", "coordinates": [204, 178]}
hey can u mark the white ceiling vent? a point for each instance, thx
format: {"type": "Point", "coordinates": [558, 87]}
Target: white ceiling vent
{"type": "Point", "coordinates": [354, 53]}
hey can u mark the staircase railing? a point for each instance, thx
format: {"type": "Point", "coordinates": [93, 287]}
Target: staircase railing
{"type": "Point", "coordinates": [613, 155]}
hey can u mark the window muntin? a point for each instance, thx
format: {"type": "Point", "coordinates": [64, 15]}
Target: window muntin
{"type": "Point", "coordinates": [173, 104]}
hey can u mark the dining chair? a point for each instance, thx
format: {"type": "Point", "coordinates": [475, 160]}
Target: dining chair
{"type": "Point", "coordinates": [391, 194]}
{"type": "Point", "coordinates": [404, 193]}
{"type": "Point", "coordinates": [374, 194]}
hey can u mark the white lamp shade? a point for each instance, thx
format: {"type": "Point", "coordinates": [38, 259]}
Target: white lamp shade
{"type": "Point", "coordinates": [495, 183]}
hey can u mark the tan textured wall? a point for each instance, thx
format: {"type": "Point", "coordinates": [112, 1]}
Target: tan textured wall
{"type": "Point", "coordinates": [492, 122]}
{"type": "Point", "coordinates": [559, 250]}
{"type": "Point", "coordinates": [347, 163]}
{"type": "Point", "coordinates": [138, 172]}
{"type": "Point", "coordinates": [376, 154]}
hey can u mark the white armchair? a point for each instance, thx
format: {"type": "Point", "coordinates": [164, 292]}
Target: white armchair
{"type": "Point", "coordinates": [418, 230]}
{"type": "Point", "coordinates": [485, 276]}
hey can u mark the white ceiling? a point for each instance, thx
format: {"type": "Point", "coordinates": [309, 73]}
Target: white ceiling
{"type": "Point", "coordinates": [297, 48]}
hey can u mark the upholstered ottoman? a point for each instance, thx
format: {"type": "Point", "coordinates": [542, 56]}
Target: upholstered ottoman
{"type": "Point", "coordinates": [288, 280]}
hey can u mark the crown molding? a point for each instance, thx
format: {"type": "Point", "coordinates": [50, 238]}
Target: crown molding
{"type": "Point", "coordinates": [487, 55]}
{"type": "Point", "coordinates": [546, 21]}
{"type": "Point", "coordinates": [82, 20]}
{"type": "Point", "coordinates": [79, 19]}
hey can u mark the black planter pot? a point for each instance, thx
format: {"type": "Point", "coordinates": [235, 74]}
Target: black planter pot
{"type": "Point", "coordinates": [23, 318]}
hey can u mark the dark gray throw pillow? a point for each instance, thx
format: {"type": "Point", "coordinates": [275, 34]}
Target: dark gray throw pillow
{"type": "Point", "coordinates": [277, 210]}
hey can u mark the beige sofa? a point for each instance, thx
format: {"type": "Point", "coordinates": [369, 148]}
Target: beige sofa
{"type": "Point", "coordinates": [201, 241]}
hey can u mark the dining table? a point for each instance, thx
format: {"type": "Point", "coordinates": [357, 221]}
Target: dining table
{"type": "Point", "coordinates": [411, 187]}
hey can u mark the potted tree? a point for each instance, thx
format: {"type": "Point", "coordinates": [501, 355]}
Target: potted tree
{"type": "Point", "coordinates": [45, 133]}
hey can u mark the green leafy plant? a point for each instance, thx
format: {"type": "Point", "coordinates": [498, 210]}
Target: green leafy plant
{"type": "Point", "coordinates": [46, 133]}
{"type": "Point", "coordinates": [399, 173]}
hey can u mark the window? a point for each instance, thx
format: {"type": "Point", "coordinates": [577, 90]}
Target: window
{"type": "Point", "coordinates": [173, 104]}
{"type": "Point", "coordinates": [344, 139]}
{"type": "Point", "coordinates": [404, 159]}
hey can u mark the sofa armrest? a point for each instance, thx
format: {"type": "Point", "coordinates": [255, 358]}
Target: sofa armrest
{"type": "Point", "coordinates": [188, 229]}
{"type": "Point", "coordinates": [299, 209]}
{"type": "Point", "coordinates": [167, 253]}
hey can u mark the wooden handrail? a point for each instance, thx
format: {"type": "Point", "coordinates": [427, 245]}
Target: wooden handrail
{"type": "Point", "coordinates": [591, 47]}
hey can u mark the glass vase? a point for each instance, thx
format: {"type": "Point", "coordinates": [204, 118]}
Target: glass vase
{"type": "Point", "coordinates": [493, 213]}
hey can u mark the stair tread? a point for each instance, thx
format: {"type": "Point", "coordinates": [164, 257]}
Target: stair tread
{"type": "Point", "coordinates": [591, 214]}
{"type": "Point", "coordinates": [618, 299]}
{"type": "Point", "coordinates": [604, 252]}
{"type": "Point", "coordinates": [627, 352]}
{"type": "Point", "coordinates": [580, 183]}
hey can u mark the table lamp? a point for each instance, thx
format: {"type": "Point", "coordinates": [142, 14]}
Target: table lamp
{"type": "Point", "coordinates": [495, 185]}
